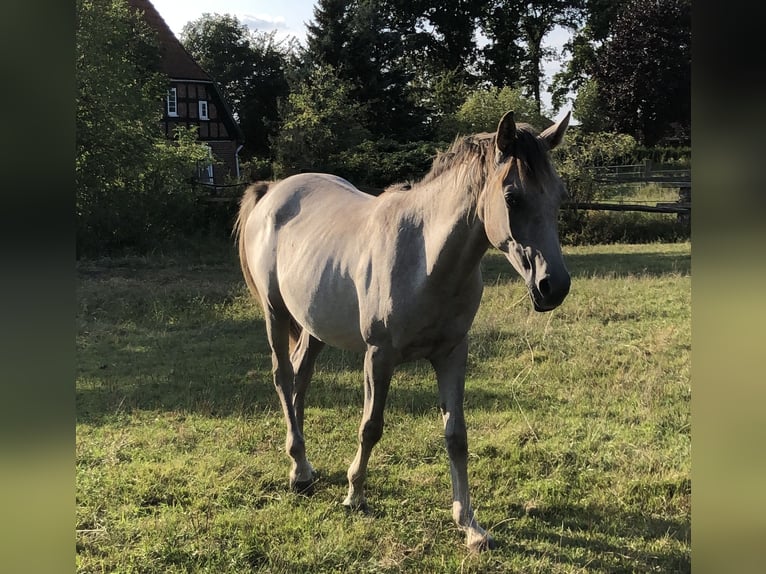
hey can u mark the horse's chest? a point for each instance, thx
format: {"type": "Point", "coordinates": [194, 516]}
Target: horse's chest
{"type": "Point", "coordinates": [427, 322]}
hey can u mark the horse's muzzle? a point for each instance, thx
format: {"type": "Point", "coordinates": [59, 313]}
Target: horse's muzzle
{"type": "Point", "coordinates": [549, 292]}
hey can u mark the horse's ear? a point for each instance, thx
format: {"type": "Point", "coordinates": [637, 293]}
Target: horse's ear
{"type": "Point", "coordinates": [555, 134]}
{"type": "Point", "coordinates": [506, 134]}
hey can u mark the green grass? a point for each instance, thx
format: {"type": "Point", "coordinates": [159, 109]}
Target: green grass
{"type": "Point", "coordinates": [578, 422]}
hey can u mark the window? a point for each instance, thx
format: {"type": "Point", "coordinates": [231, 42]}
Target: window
{"type": "Point", "coordinates": [172, 103]}
{"type": "Point", "coordinates": [205, 168]}
{"type": "Point", "coordinates": [203, 110]}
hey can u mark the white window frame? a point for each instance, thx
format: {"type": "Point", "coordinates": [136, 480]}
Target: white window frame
{"type": "Point", "coordinates": [172, 102]}
{"type": "Point", "coordinates": [202, 107]}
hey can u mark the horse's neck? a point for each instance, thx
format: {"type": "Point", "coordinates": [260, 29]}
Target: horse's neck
{"type": "Point", "coordinates": [455, 240]}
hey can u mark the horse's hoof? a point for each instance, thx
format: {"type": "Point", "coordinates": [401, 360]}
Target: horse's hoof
{"type": "Point", "coordinates": [356, 506]}
{"type": "Point", "coordinates": [482, 544]}
{"type": "Point", "coordinates": [305, 487]}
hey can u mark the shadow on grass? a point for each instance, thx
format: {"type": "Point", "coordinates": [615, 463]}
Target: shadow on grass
{"type": "Point", "coordinates": [225, 370]}
{"type": "Point", "coordinates": [584, 536]}
{"type": "Point", "coordinates": [203, 363]}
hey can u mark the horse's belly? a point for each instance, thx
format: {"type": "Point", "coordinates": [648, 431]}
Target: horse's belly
{"type": "Point", "coordinates": [329, 312]}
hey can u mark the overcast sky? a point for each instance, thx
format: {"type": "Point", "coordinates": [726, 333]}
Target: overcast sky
{"type": "Point", "coordinates": [288, 18]}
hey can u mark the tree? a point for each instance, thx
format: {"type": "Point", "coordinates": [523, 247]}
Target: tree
{"type": "Point", "coordinates": [503, 55]}
{"type": "Point", "coordinates": [248, 66]}
{"type": "Point", "coordinates": [320, 120]}
{"type": "Point", "coordinates": [118, 100]}
{"type": "Point", "coordinates": [538, 19]}
{"type": "Point", "coordinates": [644, 70]}
{"type": "Point", "coordinates": [590, 110]}
{"type": "Point", "coordinates": [128, 177]}
{"type": "Point", "coordinates": [483, 108]}
{"type": "Point", "coordinates": [583, 49]}
{"type": "Point", "coordinates": [118, 108]}
{"type": "Point", "coordinates": [444, 34]}
{"type": "Point", "coordinates": [362, 40]}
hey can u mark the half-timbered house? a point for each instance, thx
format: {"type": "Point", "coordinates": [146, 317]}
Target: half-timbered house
{"type": "Point", "coordinates": [194, 100]}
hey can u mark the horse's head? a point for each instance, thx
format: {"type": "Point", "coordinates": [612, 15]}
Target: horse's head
{"type": "Point", "coordinates": [520, 207]}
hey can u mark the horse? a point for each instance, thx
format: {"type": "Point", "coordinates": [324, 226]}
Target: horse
{"type": "Point", "coordinates": [397, 277]}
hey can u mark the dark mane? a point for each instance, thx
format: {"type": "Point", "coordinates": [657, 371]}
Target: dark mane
{"type": "Point", "coordinates": [477, 152]}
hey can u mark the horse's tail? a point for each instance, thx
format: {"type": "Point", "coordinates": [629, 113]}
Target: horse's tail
{"type": "Point", "coordinates": [246, 205]}
{"type": "Point", "coordinates": [250, 197]}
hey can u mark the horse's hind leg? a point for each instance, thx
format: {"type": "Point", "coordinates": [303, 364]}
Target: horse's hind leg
{"type": "Point", "coordinates": [278, 332]}
{"type": "Point", "coordinates": [303, 360]}
{"type": "Point", "coordinates": [450, 375]}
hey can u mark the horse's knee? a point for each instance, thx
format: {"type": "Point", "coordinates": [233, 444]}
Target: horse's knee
{"type": "Point", "coordinates": [457, 442]}
{"type": "Point", "coordinates": [371, 432]}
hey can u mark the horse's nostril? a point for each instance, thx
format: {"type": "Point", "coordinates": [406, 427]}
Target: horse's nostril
{"type": "Point", "coordinates": [544, 286]}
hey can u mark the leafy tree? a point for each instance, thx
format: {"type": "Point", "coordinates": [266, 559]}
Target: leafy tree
{"type": "Point", "coordinates": [393, 54]}
{"type": "Point", "coordinates": [644, 70]}
{"type": "Point", "coordinates": [503, 55]}
{"type": "Point", "coordinates": [483, 108]}
{"type": "Point", "coordinates": [327, 33]}
{"type": "Point", "coordinates": [250, 69]}
{"type": "Point", "coordinates": [538, 19]}
{"type": "Point", "coordinates": [320, 119]}
{"type": "Point", "coordinates": [445, 33]}
{"type": "Point", "coordinates": [129, 178]}
{"type": "Point", "coordinates": [118, 100]}
{"type": "Point", "coordinates": [589, 109]}
{"type": "Point", "coordinates": [583, 48]}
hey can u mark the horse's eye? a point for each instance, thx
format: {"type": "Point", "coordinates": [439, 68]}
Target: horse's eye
{"type": "Point", "coordinates": [513, 199]}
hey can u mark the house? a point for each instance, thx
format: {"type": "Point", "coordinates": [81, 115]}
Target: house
{"type": "Point", "coordinates": [194, 100]}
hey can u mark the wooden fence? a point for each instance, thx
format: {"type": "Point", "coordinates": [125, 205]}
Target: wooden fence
{"type": "Point", "coordinates": [641, 173]}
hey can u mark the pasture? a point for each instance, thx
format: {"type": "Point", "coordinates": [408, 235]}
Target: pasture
{"type": "Point", "coordinates": [578, 429]}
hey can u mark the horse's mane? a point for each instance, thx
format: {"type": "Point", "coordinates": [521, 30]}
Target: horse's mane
{"type": "Point", "coordinates": [475, 158]}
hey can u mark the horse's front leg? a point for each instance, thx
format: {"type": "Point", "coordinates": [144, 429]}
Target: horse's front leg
{"type": "Point", "coordinates": [450, 374]}
{"type": "Point", "coordinates": [378, 369]}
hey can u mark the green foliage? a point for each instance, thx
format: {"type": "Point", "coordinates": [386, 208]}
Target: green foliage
{"type": "Point", "coordinates": [384, 162]}
{"type": "Point", "coordinates": [581, 151]}
{"type": "Point", "coordinates": [605, 227]}
{"type": "Point", "coordinates": [158, 206]}
{"type": "Point", "coordinates": [117, 102]}
{"type": "Point", "coordinates": [484, 107]}
{"type": "Point", "coordinates": [320, 120]}
{"type": "Point", "coordinates": [646, 95]}
{"type": "Point", "coordinates": [503, 55]}
{"type": "Point", "coordinates": [589, 109]}
{"type": "Point", "coordinates": [670, 157]}
{"type": "Point", "coordinates": [363, 43]}
{"type": "Point", "coordinates": [538, 18]}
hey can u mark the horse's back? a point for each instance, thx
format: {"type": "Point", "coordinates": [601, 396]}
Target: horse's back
{"type": "Point", "coordinates": [328, 190]}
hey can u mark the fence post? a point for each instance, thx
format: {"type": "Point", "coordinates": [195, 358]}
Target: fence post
{"type": "Point", "coordinates": [647, 167]}
{"type": "Point", "coordinates": [685, 197]}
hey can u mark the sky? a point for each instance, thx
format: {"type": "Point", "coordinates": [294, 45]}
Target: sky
{"type": "Point", "coordinates": [289, 18]}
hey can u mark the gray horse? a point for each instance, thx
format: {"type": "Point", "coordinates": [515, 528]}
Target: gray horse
{"type": "Point", "coordinates": [397, 277]}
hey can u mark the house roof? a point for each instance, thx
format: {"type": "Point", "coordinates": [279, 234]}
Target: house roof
{"type": "Point", "coordinates": [176, 62]}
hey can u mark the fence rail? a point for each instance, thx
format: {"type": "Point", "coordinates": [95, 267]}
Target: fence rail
{"type": "Point", "coordinates": [613, 174]}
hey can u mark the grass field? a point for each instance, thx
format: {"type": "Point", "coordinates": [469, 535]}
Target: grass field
{"type": "Point", "coordinates": [578, 428]}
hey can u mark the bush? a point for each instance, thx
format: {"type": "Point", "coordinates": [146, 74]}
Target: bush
{"type": "Point", "coordinates": [383, 162]}
{"type": "Point", "coordinates": [577, 227]}
{"type": "Point", "coordinates": [143, 210]}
